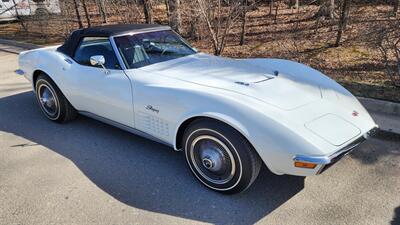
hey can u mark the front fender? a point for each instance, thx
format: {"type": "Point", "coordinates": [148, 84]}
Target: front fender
{"type": "Point", "coordinates": [275, 143]}
{"type": "Point", "coordinates": [231, 121]}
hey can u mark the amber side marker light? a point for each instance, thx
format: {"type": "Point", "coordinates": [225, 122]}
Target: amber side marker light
{"type": "Point", "coordinates": [305, 165]}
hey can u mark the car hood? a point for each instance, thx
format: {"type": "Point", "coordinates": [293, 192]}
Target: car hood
{"type": "Point", "coordinates": [240, 76]}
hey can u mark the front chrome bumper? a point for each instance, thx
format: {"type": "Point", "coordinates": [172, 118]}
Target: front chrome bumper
{"type": "Point", "coordinates": [328, 161]}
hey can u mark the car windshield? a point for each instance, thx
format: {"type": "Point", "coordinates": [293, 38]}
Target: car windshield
{"type": "Point", "coordinates": [144, 49]}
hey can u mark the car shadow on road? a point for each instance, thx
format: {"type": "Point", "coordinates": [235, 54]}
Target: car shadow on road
{"type": "Point", "coordinates": [396, 217]}
{"type": "Point", "coordinates": [142, 173]}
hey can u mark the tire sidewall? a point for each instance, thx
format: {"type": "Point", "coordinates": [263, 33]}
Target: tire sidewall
{"type": "Point", "coordinates": [42, 81]}
{"type": "Point", "coordinates": [236, 179]}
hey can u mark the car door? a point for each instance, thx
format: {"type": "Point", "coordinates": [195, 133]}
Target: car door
{"type": "Point", "coordinates": [104, 92]}
{"type": "Point", "coordinates": [157, 106]}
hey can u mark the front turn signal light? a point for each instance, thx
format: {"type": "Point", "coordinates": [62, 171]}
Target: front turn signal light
{"type": "Point", "coordinates": [305, 165]}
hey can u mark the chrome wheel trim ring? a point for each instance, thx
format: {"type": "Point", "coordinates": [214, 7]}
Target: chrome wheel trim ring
{"type": "Point", "coordinates": [239, 163]}
{"type": "Point", "coordinates": [46, 85]}
{"type": "Point", "coordinates": [212, 159]}
{"type": "Point", "coordinates": [47, 100]}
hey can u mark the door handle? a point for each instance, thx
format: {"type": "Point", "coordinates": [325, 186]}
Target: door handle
{"type": "Point", "coordinates": [68, 61]}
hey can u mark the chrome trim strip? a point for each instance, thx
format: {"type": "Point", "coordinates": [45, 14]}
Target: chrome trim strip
{"type": "Point", "coordinates": [20, 72]}
{"type": "Point", "coordinates": [312, 159]}
{"type": "Point", "coordinates": [328, 159]}
{"type": "Point", "coordinates": [124, 127]}
{"type": "Point", "coordinates": [139, 31]}
{"type": "Point", "coordinates": [348, 147]}
{"type": "Point", "coordinates": [114, 45]}
{"type": "Point", "coordinates": [117, 53]}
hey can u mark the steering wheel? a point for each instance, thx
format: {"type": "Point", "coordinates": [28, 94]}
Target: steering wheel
{"type": "Point", "coordinates": [165, 50]}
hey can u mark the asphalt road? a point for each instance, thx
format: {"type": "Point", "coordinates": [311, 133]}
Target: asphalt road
{"type": "Point", "coordinates": [86, 172]}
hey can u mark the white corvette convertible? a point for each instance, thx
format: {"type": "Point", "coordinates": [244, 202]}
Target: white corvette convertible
{"type": "Point", "coordinates": [228, 115]}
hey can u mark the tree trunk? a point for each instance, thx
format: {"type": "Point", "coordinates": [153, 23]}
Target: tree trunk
{"type": "Point", "coordinates": [167, 8]}
{"type": "Point", "coordinates": [194, 20]}
{"type": "Point", "coordinates": [102, 10]}
{"type": "Point", "coordinates": [342, 21]}
{"type": "Point", "coordinates": [271, 6]}
{"type": "Point", "coordinates": [86, 13]}
{"type": "Point", "coordinates": [175, 15]}
{"type": "Point", "coordinates": [332, 9]}
{"type": "Point", "coordinates": [78, 16]}
{"type": "Point", "coordinates": [148, 13]}
{"type": "Point", "coordinates": [193, 31]}
{"type": "Point", "coordinates": [244, 21]}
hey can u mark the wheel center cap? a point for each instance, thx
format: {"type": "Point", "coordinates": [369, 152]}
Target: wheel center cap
{"type": "Point", "coordinates": [44, 100]}
{"type": "Point", "coordinates": [207, 163]}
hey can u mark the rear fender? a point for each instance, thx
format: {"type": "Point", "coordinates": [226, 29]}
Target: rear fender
{"type": "Point", "coordinates": [53, 64]}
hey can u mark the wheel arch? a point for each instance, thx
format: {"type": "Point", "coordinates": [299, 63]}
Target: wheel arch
{"type": "Point", "coordinates": [39, 71]}
{"type": "Point", "coordinates": [36, 74]}
{"type": "Point", "coordinates": [212, 116]}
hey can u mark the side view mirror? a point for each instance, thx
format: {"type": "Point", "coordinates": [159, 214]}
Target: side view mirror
{"type": "Point", "coordinates": [99, 60]}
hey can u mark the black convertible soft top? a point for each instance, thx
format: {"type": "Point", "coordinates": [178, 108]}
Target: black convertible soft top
{"type": "Point", "coordinates": [73, 40]}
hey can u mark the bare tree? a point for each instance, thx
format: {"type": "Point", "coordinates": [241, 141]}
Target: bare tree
{"type": "Point", "coordinates": [174, 15]}
{"type": "Point", "coordinates": [219, 26]}
{"type": "Point", "coordinates": [332, 9]}
{"type": "Point", "coordinates": [271, 6]}
{"type": "Point", "coordinates": [18, 17]}
{"type": "Point", "coordinates": [387, 41]}
{"type": "Point", "coordinates": [167, 7]}
{"type": "Point", "coordinates": [148, 11]}
{"type": "Point", "coordinates": [102, 10]}
{"type": "Point", "coordinates": [78, 16]}
{"type": "Point", "coordinates": [195, 21]}
{"type": "Point", "coordinates": [85, 9]}
{"type": "Point", "coordinates": [344, 14]}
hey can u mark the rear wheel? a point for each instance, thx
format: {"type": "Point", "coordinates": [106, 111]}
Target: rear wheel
{"type": "Point", "coordinates": [52, 102]}
{"type": "Point", "coordinates": [220, 157]}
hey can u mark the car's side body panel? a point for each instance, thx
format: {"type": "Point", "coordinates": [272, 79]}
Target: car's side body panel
{"type": "Point", "coordinates": [108, 95]}
{"type": "Point", "coordinates": [89, 89]}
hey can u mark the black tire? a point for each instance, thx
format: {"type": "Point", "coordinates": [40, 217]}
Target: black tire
{"type": "Point", "coordinates": [210, 146]}
{"type": "Point", "coordinates": [61, 111]}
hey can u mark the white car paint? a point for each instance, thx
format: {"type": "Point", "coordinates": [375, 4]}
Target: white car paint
{"type": "Point", "coordinates": [285, 109]}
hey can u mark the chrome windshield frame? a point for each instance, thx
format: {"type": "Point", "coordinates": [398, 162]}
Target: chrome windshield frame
{"type": "Point", "coordinates": [141, 31]}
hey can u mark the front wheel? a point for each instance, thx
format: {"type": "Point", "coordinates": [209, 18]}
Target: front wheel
{"type": "Point", "coordinates": [220, 157]}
